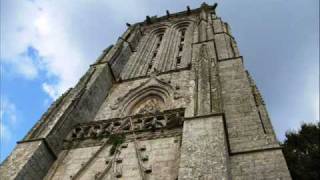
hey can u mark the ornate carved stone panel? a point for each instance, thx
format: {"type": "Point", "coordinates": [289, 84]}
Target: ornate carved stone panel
{"type": "Point", "coordinates": [137, 123]}
{"type": "Point", "coordinates": [151, 104]}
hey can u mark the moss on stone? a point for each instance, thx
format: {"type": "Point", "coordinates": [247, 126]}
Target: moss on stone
{"type": "Point", "coordinates": [115, 140]}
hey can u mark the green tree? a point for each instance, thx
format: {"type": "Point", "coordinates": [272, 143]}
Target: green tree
{"type": "Point", "coordinates": [302, 152]}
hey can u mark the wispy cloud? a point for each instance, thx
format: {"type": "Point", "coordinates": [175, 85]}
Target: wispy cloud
{"type": "Point", "coordinates": [8, 111]}
{"type": "Point", "coordinates": [50, 90]}
{"type": "Point", "coordinates": [6, 134]}
{"type": "Point", "coordinates": [8, 122]}
{"type": "Point", "coordinates": [22, 66]}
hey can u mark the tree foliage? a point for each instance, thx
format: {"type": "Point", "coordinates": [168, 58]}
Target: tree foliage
{"type": "Point", "coordinates": [301, 150]}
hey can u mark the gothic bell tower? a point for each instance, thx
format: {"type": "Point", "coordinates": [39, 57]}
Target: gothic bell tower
{"type": "Point", "coordinates": [170, 100]}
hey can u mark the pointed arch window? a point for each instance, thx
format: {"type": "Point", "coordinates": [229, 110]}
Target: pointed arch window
{"type": "Point", "coordinates": [182, 33]}
{"type": "Point", "coordinates": [159, 37]}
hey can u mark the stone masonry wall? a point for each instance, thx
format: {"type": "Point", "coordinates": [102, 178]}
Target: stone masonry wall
{"type": "Point", "coordinates": [162, 159]}
{"type": "Point", "coordinates": [28, 161]}
{"type": "Point", "coordinates": [244, 127]}
{"type": "Point", "coordinates": [72, 162]}
{"type": "Point", "coordinates": [204, 152]}
{"type": "Point", "coordinates": [267, 165]}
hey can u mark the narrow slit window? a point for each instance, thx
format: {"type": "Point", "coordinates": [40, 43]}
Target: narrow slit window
{"type": "Point", "coordinates": [160, 37]}
{"type": "Point", "coordinates": [178, 60]}
{"type": "Point", "coordinates": [149, 68]}
{"type": "Point", "coordinates": [183, 32]}
{"type": "Point", "coordinates": [180, 47]}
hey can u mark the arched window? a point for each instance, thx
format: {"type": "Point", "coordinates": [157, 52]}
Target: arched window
{"type": "Point", "coordinates": [158, 39]}
{"type": "Point", "coordinates": [182, 33]}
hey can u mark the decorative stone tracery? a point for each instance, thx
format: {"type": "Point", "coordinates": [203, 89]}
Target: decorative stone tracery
{"type": "Point", "coordinates": [151, 96]}
{"type": "Point", "coordinates": [152, 104]}
{"type": "Point", "coordinates": [140, 122]}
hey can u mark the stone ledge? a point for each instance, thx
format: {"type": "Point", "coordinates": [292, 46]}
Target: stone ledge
{"type": "Point", "coordinates": [255, 151]}
{"type": "Point", "coordinates": [212, 39]}
{"type": "Point", "coordinates": [160, 73]}
{"type": "Point", "coordinates": [204, 116]}
{"type": "Point", "coordinates": [233, 58]}
{"type": "Point", "coordinates": [44, 142]}
{"type": "Point", "coordinates": [141, 136]}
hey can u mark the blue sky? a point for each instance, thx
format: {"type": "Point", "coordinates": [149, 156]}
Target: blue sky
{"type": "Point", "coordinates": [47, 45]}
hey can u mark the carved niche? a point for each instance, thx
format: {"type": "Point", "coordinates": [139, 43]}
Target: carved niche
{"type": "Point", "coordinates": [152, 104]}
{"type": "Point", "coordinates": [151, 96]}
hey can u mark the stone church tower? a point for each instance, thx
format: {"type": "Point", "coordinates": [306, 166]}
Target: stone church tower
{"type": "Point", "coordinates": [170, 100]}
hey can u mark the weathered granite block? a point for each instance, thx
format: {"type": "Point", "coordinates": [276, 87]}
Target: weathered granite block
{"type": "Point", "coordinates": [204, 151]}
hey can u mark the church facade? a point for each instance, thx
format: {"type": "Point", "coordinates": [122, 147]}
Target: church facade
{"type": "Point", "coordinates": [170, 100]}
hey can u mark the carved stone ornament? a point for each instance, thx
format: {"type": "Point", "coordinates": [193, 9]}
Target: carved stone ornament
{"type": "Point", "coordinates": [150, 106]}
{"type": "Point", "coordinates": [177, 95]}
{"type": "Point", "coordinates": [116, 104]}
{"type": "Point", "coordinates": [151, 96]}
{"type": "Point", "coordinates": [149, 121]}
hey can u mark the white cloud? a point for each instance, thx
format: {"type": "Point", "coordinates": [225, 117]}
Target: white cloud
{"type": "Point", "coordinates": [8, 111]}
{"type": "Point", "coordinates": [40, 26]}
{"type": "Point", "coordinates": [50, 90]}
{"type": "Point", "coordinates": [8, 120]}
{"type": "Point", "coordinates": [67, 34]}
{"type": "Point", "coordinates": [6, 134]}
{"type": "Point", "coordinates": [23, 65]}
